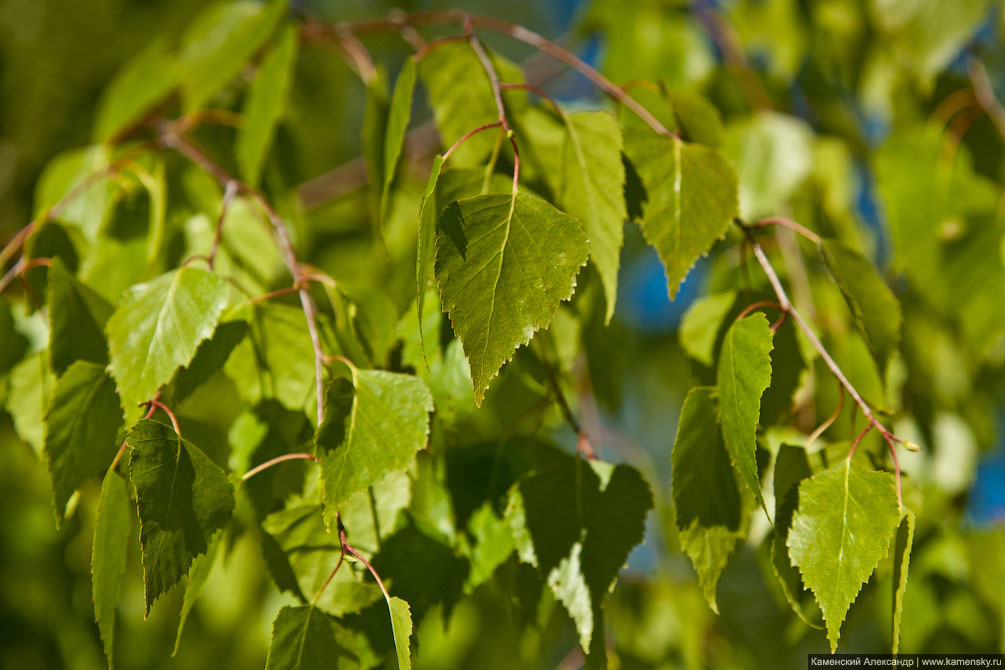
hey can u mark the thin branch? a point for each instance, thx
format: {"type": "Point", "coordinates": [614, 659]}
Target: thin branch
{"type": "Point", "coordinates": [787, 223]}
{"type": "Point", "coordinates": [380, 582]}
{"type": "Point", "coordinates": [172, 140]}
{"type": "Point", "coordinates": [506, 86]}
{"type": "Point", "coordinates": [871, 420]}
{"type": "Point", "coordinates": [274, 461]}
{"type": "Point", "coordinates": [854, 445]}
{"type": "Point", "coordinates": [986, 95]}
{"type": "Point", "coordinates": [229, 192]}
{"type": "Point", "coordinates": [519, 33]}
{"type": "Point", "coordinates": [436, 44]}
{"type": "Point", "coordinates": [331, 576]}
{"type": "Point", "coordinates": [757, 305]}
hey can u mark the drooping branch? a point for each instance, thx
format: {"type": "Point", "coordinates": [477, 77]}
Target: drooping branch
{"type": "Point", "coordinates": [173, 140]}
{"type": "Point", "coordinates": [517, 32]}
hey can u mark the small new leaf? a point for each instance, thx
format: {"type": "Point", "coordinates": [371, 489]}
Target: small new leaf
{"type": "Point", "coordinates": [743, 375]}
{"type": "Point", "coordinates": [182, 498]}
{"type": "Point", "coordinates": [503, 264]}
{"type": "Point", "coordinates": [840, 531]}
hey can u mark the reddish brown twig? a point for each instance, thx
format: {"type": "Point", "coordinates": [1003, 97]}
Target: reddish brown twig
{"type": "Point", "coordinates": [275, 461]}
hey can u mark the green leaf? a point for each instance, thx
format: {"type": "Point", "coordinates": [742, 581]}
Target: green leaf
{"type": "Point", "coordinates": [462, 99]}
{"type": "Point", "coordinates": [158, 326]}
{"type": "Point", "coordinates": [401, 628]}
{"type": "Point", "coordinates": [591, 188]}
{"type": "Point", "coordinates": [372, 426]}
{"type": "Point", "coordinates": [276, 358]}
{"type": "Point", "coordinates": [877, 311]}
{"type": "Point", "coordinates": [202, 566]}
{"type": "Point", "coordinates": [743, 374]}
{"type": "Point", "coordinates": [697, 117]}
{"type": "Point", "coordinates": [265, 105]}
{"type": "Point", "coordinates": [791, 468]}
{"type": "Point", "coordinates": [504, 263]}
{"type": "Point", "coordinates": [576, 522]}
{"type": "Point", "coordinates": [81, 424]}
{"type": "Point", "coordinates": [305, 638]}
{"type": "Point", "coordinates": [901, 565]}
{"type": "Point", "coordinates": [840, 531]}
{"type": "Point", "coordinates": [399, 113]}
{"type": "Point", "coordinates": [492, 543]}
{"type": "Point", "coordinates": [692, 197]}
{"type": "Point", "coordinates": [705, 493]}
{"type": "Point", "coordinates": [701, 324]}
{"type": "Point", "coordinates": [76, 172]}
{"type": "Point", "coordinates": [217, 44]}
{"type": "Point", "coordinates": [183, 498]}
{"type": "Point", "coordinates": [138, 87]}
{"type": "Point", "coordinates": [773, 155]}
{"type": "Point", "coordinates": [112, 532]}
{"type": "Point", "coordinates": [76, 322]}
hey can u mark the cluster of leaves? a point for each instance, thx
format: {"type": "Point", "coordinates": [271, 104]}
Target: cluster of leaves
{"type": "Point", "coordinates": [388, 453]}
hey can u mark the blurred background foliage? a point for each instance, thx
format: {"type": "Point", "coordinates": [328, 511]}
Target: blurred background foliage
{"type": "Point", "coordinates": [863, 119]}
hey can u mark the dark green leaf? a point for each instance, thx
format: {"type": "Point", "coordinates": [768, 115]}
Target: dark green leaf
{"type": "Point", "coordinates": [77, 321]}
{"type": "Point", "coordinates": [81, 425]}
{"type": "Point", "coordinates": [705, 494]}
{"type": "Point", "coordinates": [183, 499]}
{"type": "Point", "coordinates": [305, 638]}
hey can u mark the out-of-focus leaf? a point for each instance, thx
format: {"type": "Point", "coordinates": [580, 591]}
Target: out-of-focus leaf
{"type": "Point", "coordinates": [265, 105]}
{"type": "Point", "coordinates": [112, 532]}
{"type": "Point", "coordinates": [77, 321]}
{"type": "Point", "coordinates": [217, 44]}
{"type": "Point", "coordinates": [700, 327]}
{"type": "Point", "coordinates": [137, 88]}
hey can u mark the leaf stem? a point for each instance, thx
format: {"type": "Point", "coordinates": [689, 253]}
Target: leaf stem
{"type": "Point", "coordinates": [790, 224]}
{"type": "Point", "coordinates": [275, 461]}
{"type": "Point", "coordinates": [122, 449]}
{"type": "Point", "coordinates": [828, 422]}
{"type": "Point", "coordinates": [468, 135]}
{"type": "Point", "coordinates": [493, 76]}
{"type": "Point", "coordinates": [229, 192]}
